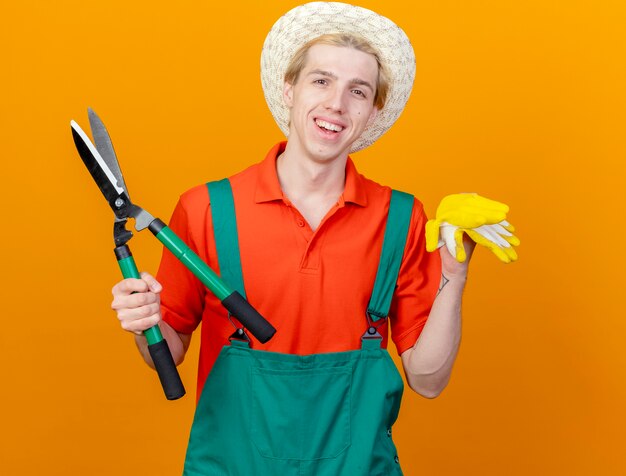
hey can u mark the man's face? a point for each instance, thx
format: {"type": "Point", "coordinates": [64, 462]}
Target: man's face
{"type": "Point", "coordinates": [332, 102]}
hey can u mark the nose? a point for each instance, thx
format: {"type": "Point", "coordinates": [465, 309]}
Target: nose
{"type": "Point", "coordinates": [335, 101]}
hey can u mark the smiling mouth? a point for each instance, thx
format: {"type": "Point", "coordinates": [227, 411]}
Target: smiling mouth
{"type": "Point", "coordinates": [327, 126]}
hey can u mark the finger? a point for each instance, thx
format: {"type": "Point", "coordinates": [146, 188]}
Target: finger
{"type": "Point", "coordinates": [130, 285]}
{"type": "Point", "coordinates": [134, 300]}
{"type": "Point", "coordinates": [138, 326]}
{"type": "Point", "coordinates": [141, 312]}
{"type": "Point", "coordinates": [141, 299]}
{"type": "Point", "coordinates": [154, 285]}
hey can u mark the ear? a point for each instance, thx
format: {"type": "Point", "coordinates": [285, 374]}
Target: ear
{"type": "Point", "coordinates": [288, 94]}
{"type": "Point", "coordinates": [373, 115]}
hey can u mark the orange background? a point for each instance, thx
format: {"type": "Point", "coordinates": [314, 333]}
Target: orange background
{"type": "Point", "coordinates": [523, 101]}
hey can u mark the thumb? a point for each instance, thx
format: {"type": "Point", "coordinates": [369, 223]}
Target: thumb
{"type": "Point", "coordinates": [151, 281]}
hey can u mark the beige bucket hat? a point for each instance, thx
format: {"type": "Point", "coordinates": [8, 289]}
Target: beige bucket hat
{"type": "Point", "coordinates": [308, 21]}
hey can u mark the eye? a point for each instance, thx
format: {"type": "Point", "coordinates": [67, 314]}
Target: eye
{"type": "Point", "coordinates": [359, 92]}
{"type": "Point", "coordinates": [320, 81]}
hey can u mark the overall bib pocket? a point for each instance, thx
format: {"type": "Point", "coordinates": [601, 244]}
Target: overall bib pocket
{"type": "Point", "coordinates": [301, 414]}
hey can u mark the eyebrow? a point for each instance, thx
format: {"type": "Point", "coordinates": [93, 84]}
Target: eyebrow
{"type": "Point", "coordinates": [359, 81]}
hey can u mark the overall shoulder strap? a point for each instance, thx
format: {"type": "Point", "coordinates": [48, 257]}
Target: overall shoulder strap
{"type": "Point", "coordinates": [225, 231]}
{"type": "Point", "coordinates": [398, 220]}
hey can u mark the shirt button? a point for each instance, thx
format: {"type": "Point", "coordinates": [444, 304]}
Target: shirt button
{"type": "Point", "coordinates": [389, 432]}
{"type": "Point", "coordinates": [300, 222]}
{"type": "Point", "coordinates": [396, 459]}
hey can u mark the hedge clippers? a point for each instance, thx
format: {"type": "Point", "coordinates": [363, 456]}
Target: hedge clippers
{"type": "Point", "coordinates": [105, 170]}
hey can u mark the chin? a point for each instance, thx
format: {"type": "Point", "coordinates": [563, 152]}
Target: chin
{"type": "Point", "coordinates": [327, 154]}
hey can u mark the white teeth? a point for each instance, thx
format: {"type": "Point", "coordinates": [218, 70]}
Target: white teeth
{"type": "Point", "coordinates": [328, 125]}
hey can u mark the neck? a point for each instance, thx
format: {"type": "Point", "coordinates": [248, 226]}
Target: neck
{"type": "Point", "coordinates": [301, 178]}
{"type": "Point", "coordinates": [313, 187]}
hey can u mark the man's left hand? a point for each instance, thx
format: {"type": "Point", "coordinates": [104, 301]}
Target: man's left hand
{"type": "Point", "coordinates": [481, 219]}
{"type": "Point", "coordinates": [451, 267]}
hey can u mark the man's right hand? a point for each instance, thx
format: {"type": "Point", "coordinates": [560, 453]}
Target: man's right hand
{"type": "Point", "coordinates": [137, 303]}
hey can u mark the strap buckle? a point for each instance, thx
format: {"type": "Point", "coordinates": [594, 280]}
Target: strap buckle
{"type": "Point", "coordinates": [239, 334]}
{"type": "Point", "coordinates": [371, 333]}
{"type": "Point", "coordinates": [372, 329]}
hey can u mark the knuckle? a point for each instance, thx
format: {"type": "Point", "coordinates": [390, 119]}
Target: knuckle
{"type": "Point", "coordinates": [154, 320]}
{"type": "Point", "coordinates": [136, 285]}
{"type": "Point", "coordinates": [124, 286]}
{"type": "Point", "coordinates": [141, 299]}
{"type": "Point", "coordinates": [122, 315]}
{"type": "Point", "coordinates": [146, 311]}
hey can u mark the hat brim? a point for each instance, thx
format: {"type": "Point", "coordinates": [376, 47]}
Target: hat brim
{"type": "Point", "coordinates": [308, 21]}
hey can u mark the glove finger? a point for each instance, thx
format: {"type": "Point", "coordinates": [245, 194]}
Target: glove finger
{"type": "Point", "coordinates": [514, 240]}
{"type": "Point", "coordinates": [500, 253]}
{"type": "Point", "coordinates": [447, 235]}
{"type": "Point", "coordinates": [493, 210]}
{"type": "Point", "coordinates": [472, 217]}
{"type": "Point", "coordinates": [507, 225]}
{"type": "Point", "coordinates": [458, 210]}
{"type": "Point", "coordinates": [500, 230]}
{"type": "Point", "coordinates": [479, 238]}
{"type": "Point", "coordinates": [504, 254]}
{"type": "Point", "coordinates": [466, 217]}
{"type": "Point", "coordinates": [504, 238]}
{"type": "Point", "coordinates": [506, 233]}
{"type": "Point", "coordinates": [460, 249]}
{"type": "Point", "coordinates": [511, 253]}
{"type": "Point", "coordinates": [470, 210]}
{"type": "Point", "coordinates": [485, 216]}
{"type": "Point", "coordinates": [507, 244]}
{"type": "Point", "coordinates": [490, 234]}
{"type": "Point", "coordinates": [472, 199]}
{"type": "Point", "coordinates": [489, 204]}
{"type": "Point", "coordinates": [432, 235]}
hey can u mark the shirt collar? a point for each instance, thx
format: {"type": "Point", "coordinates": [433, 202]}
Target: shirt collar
{"type": "Point", "coordinates": [268, 188]}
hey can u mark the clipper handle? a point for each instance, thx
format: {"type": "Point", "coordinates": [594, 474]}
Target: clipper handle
{"type": "Point", "coordinates": [231, 299]}
{"type": "Point", "coordinates": [157, 346]}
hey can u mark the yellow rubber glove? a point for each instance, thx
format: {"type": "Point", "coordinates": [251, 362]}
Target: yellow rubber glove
{"type": "Point", "coordinates": [482, 219]}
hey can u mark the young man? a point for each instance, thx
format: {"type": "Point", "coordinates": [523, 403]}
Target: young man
{"type": "Point", "coordinates": [319, 260]}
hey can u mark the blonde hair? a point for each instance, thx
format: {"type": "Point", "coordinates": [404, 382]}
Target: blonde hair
{"type": "Point", "coordinates": [348, 40]}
